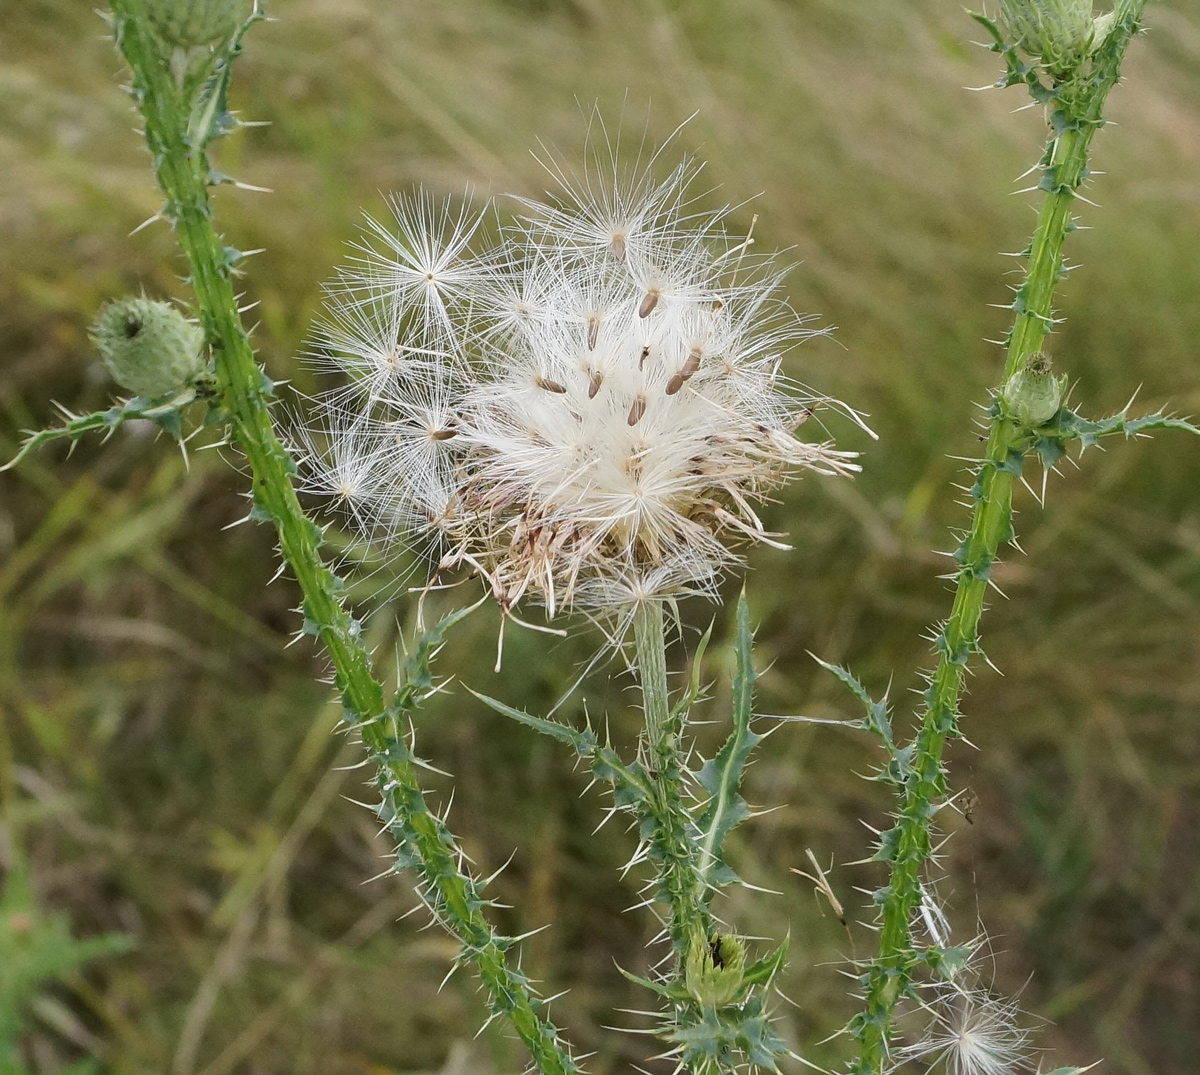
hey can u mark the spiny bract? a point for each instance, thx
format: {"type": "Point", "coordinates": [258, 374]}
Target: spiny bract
{"type": "Point", "coordinates": [583, 412]}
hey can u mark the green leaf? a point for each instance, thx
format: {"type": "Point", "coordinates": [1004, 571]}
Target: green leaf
{"type": "Point", "coordinates": [164, 412]}
{"type": "Point", "coordinates": [37, 948]}
{"type": "Point", "coordinates": [989, 25]}
{"type": "Point", "coordinates": [721, 776]}
{"type": "Point", "coordinates": [764, 971]}
{"type": "Point", "coordinates": [877, 719]}
{"type": "Point", "coordinates": [629, 782]}
{"type": "Point", "coordinates": [583, 743]}
{"type": "Point", "coordinates": [673, 993]}
{"type": "Point", "coordinates": [680, 710]}
{"type": "Point", "coordinates": [1068, 425]}
{"type": "Point", "coordinates": [417, 676]}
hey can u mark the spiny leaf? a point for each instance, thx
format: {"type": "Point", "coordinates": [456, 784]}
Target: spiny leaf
{"type": "Point", "coordinates": [583, 743]}
{"type": "Point", "coordinates": [877, 719]}
{"type": "Point", "coordinates": [416, 675]}
{"type": "Point", "coordinates": [721, 777]}
{"type": "Point", "coordinates": [1068, 425]}
{"type": "Point", "coordinates": [164, 413]}
{"type": "Point", "coordinates": [211, 118]}
{"type": "Point", "coordinates": [989, 25]}
{"type": "Point", "coordinates": [680, 710]}
{"type": "Point", "coordinates": [674, 993]}
{"type": "Point", "coordinates": [629, 782]}
{"type": "Point", "coordinates": [765, 970]}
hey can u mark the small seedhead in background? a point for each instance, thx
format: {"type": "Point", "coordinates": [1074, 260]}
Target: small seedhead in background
{"type": "Point", "coordinates": [149, 347]}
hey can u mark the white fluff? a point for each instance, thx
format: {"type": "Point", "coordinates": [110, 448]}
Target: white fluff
{"type": "Point", "coordinates": [585, 413]}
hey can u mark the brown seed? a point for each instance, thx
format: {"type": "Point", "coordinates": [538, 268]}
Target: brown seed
{"type": "Point", "coordinates": [593, 332]}
{"type": "Point", "coordinates": [648, 303]}
{"type": "Point", "coordinates": [549, 385]}
{"type": "Point", "coordinates": [618, 245]}
{"type": "Point", "coordinates": [645, 355]}
{"type": "Point", "coordinates": [637, 410]}
{"type": "Point", "coordinates": [686, 373]}
{"type": "Point", "coordinates": [443, 434]}
{"type": "Point", "coordinates": [594, 384]}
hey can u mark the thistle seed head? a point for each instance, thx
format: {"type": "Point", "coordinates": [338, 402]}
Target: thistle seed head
{"type": "Point", "coordinates": [583, 411]}
{"type": "Point", "coordinates": [971, 1032]}
{"type": "Point", "coordinates": [149, 347]}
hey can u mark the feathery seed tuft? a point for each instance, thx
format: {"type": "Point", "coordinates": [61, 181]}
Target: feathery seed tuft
{"type": "Point", "coordinates": [583, 412]}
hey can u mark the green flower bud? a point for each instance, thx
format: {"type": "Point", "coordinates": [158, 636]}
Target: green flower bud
{"type": "Point", "coordinates": [1060, 33]}
{"type": "Point", "coordinates": [189, 24]}
{"type": "Point", "coordinates": [713, 970]}
{"type": "Point", "coordinates": [1033, 395]}
{"type": "Point", "coordinates": [149, 347]}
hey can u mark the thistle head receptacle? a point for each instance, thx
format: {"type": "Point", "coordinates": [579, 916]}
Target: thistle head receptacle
{"type": "Point", "coordinates": [714, 969]}
{"type": "Point", "coordinates": [189, 24]}
{"type": "Point", "coordinates": [1059, 33]}
{"type": "Point", "coordinates": [149, 347]}
{"type": "Point", "coordinates": [1034, 394]}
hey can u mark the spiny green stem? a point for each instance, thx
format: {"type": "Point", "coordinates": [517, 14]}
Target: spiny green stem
{"type": "Point", "coordinates": [674, 841]}
{"type": "Point", "coordinates": [1064, 168]}
{"type": "Point", "coordinates": [177, 138]}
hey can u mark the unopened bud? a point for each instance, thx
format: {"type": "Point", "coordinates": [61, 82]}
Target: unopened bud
{"type": "Point", "coordinates": [714, 970]}
{"type": "Point", "coordinates": [1060, 33]}
{"type": "Point", "coordinates": [1033, 395]}
{"type": "Point", "coordinates": [188, 24]}
{"type": "Point", "coordinates": [149, 347]}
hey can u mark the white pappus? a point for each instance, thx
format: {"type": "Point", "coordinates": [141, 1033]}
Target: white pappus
{"type": "Point", "coordinates": [584, 412]}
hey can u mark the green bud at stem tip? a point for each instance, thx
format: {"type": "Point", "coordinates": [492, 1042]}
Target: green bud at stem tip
{"type": "Point", "coordinates": [1060, 33]}
{"type": "Point", "coordinates": [149, 347]}
{"type": "Point", "coordinates": [1034, 394]}
{"type": "Point", "coordinates": [188, 24]}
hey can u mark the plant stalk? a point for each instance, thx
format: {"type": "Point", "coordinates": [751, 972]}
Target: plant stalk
{"type": "Point", "coordinates": [181, 167]}
{"type": "Point", "coordinates": [674, 839]}
{"type": "Point", "coordinates": [1064, 169]}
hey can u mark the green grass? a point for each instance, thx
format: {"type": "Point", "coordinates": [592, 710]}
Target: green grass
{"type": "Point", "coordinates": [166, 763]}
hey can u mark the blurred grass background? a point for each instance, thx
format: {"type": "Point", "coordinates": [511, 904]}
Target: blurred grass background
{"type": "Point", "coordinates": [167, 768]}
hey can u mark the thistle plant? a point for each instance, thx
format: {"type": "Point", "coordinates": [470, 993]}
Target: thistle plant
{"type": "Point", "coordinates": [180, 85]}
{"type": "Point", "coordinates": [1068, 61]}
{"type": "Point", "coordinates": [581, 402]}
{"type": "Point", "coordinates": [583, 415]}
